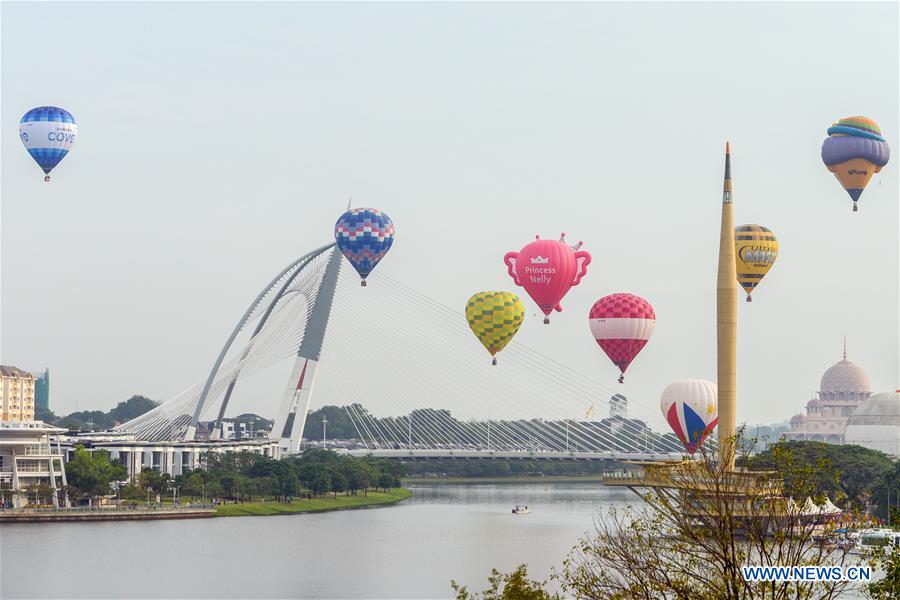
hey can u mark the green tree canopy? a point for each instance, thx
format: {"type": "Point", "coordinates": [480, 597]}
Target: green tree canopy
{"type": "Point", "coordinates": [131, 408]}
{"type": "Point", "coordinates": [90, 474]}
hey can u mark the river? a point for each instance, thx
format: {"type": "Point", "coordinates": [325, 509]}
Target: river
{"type": "Point", "coordinates": [409, 550]}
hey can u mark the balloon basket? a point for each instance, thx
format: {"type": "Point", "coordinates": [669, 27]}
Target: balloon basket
{"type": "Point", "coordinates": [749, 298]}
{"type": "Point", "coordinates": [855, 208]}
{"type": "Point", "coordinates": [362, 283]}
{"type": "Point", "coordinates": [494, 362]}
{"type": "Point", "coordinates": [47, 178]}
{"type": "Point", "coordinates": [546, 320]}
{"type": "Point", "coordinates": [621, 379]}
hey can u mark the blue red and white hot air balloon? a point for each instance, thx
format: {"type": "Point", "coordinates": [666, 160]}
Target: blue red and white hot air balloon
{"type": "Point", "coordinates": [622, 324]}
{"type": "Point", "coordinates": [691, 408]}
{"type": "Point", "coordinates": [364, 235]}
{"type": "Point", "coordinates": [48, 133]}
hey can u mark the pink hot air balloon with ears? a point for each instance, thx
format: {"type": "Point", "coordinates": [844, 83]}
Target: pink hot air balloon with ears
{"type": "Point", "coordinates": [547, 269]}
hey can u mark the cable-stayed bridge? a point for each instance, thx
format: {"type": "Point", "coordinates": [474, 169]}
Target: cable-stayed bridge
{"type": "Point", "coordinates": [412, 379]}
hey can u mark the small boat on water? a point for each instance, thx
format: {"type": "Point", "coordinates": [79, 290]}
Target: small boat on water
{"type": "Point", "coordinates": [520, 510]}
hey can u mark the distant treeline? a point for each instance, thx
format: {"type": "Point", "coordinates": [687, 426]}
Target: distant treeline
{"type": "Point", "coordinates": [245, 476]}
{"type": "Point", "coordinates": [87, 420]}
{"type": "Point", "coordinates": [501, 468]}
{"type": "Point", "coordinates": [844, 473]}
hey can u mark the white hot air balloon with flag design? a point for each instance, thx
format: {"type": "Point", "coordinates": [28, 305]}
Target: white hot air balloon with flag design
{"type": "Point", "coordinates": [690, 406]}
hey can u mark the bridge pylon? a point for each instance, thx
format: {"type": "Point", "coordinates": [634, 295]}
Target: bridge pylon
{"type": "Point", "coordinates": [291, 419]}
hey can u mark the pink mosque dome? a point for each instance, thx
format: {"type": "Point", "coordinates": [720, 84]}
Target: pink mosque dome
{"type": "Point", "coordinates": [845, 376]}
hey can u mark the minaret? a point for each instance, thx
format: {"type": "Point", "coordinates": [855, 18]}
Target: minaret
{"type": "Point", "coordinates": [726, 322]}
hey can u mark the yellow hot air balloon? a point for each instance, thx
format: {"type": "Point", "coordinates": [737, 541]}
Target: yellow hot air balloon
{"type": "Point", "coordinates": [755, 251]}
{"type": "Point", "coordinates": [495, 318]}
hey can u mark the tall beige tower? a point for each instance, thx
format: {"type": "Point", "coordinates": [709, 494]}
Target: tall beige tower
{"type": "Point", "coordinates": [726, 322]}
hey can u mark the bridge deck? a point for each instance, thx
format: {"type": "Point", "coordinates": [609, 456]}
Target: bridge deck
{"type": "Point", "coordinates": [517, 455]}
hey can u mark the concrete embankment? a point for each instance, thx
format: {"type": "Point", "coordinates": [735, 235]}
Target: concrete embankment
{"type": "Point", "coordinates": [101, 514]}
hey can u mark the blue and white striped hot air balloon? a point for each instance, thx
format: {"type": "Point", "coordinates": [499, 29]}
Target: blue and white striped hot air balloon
{"type": "Point", "coordinates": [48, 133]}
{"type": "Point", "coordinates": [364, 235]}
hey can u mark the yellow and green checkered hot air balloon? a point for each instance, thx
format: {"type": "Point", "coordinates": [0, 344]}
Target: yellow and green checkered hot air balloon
{"type": "Point", "coordinates": [755, 251]}
{"type": "Point", "coordinates": [495, 318]}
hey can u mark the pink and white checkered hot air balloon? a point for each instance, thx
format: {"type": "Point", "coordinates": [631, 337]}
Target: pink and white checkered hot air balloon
{"type": "Point", "coordinates": [690, 407]}
{"type": "Point", "coordinates": [622, 324]}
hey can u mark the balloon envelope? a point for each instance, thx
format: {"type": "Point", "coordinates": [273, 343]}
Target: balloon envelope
{"type": "Point", "coordinates": [691, 409]}
{"type": "Point", "coordinates": [48, 134]}
{"type": "Point", "coordinates": [622, 324]}
{"type": "Point", "coordinates": [755, 251]}
{"type": "Point", "coordinates": [364, 235]}
{"type": "Point", "coordinates": [547, 269]}
{"type": "Point", "coordinates": [495, 317]}
{"type": "Point", "coordinates": [855, 150]}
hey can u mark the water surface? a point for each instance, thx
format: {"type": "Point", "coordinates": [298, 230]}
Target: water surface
{"type": "Point", "coordinates": [409, 550]}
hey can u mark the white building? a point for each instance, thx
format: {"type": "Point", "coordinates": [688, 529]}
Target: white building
{"type": "Point", "coordinates": [173, 458]}
{"type": "Point", "coordinates": [876, 424]}
{"type": "Point", "coordinates": [844, 387]}
{"type": "Point", "coordinates": [618, 406]}
{"type": "Point", "coordinates": [30, 461]}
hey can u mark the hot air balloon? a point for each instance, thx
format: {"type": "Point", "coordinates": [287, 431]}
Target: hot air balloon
{"type": "Point", "coordinates": [755, 251]}
{"type": "Point", "coordinates": [691, 409]}
{"type": "Point", "coordinates": [495, 317]}
{"type": "Point", "coordinates": [48, 133]}
{"type": "Point", "coordinates": [854, 150]}
{"type": "Point", "coordinates": [547, 269]}
{"type": "Point", "coordinates": [622, 324]}
{"type": "Point", "coordinates": [364, 235]}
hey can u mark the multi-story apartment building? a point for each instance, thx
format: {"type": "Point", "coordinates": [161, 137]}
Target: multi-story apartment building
{"type": "Point", "coordinates": [17, 387]}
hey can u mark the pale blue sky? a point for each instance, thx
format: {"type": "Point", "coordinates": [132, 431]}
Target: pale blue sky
{"type": "Point", "coordinates": [218, 141]}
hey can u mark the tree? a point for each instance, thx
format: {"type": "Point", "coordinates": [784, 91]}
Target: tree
{"type": "Point", "coordinates": [888, 587]}
{"type": "Point", "coordinates": [340, 426]}
{"type": "Point", "coordinates": [701, 523]}
{"type": "Point", "coordinates": [387, 481]}
{"type": "Point", "coordinates": [131, 408]}
{"type": "Point", "coordinates": [885, 493]}
{"type": "Point", "coordinates": [39, 493]}
{"type": "Point", "coordinates": [321, 483]}
{"type": "Point", "coordinates": [360, 476]}
{"type": "Point", "coordinates": [512, 586]}
{"type": "Point", "coordinates": [89, 474]}
{"type": "Point", "coordinates": [154, 481]}
{"type": "Point", "coordinates": [86, 420]}
{"type": "Point", "coordinates": [284, 480]}
{"type": "Point", "coordinates": [338, 481]}
{"type": "Point", "coordinates": [816, 462]}
{"type": "Point", "coordinates": [44, 414]}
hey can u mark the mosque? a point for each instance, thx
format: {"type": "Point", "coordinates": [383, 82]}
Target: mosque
{"type": "Point", "coordinates": [845, 412]}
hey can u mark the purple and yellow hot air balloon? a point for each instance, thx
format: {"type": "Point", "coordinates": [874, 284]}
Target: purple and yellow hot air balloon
{"type": "Point", "coordinates": [855, 150]}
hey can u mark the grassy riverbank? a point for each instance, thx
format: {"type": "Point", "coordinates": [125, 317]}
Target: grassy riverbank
{"type": "Point", "coordinates": [510, 479]}
{"type": "Point", "coordinates": [321, 504]}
